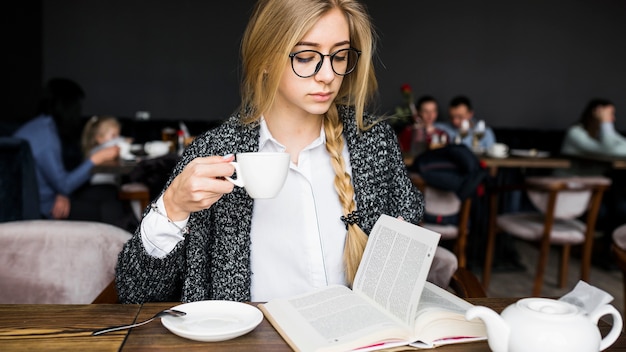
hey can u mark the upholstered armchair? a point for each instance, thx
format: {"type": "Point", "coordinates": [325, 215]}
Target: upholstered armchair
{"type": "Point", "coordinates": [57, 261]}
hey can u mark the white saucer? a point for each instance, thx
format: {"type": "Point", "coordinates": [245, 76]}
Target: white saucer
{"type": "Point", "coordinates": [213, 320]}
{"type": "Point", "coordinates": [530, 153]}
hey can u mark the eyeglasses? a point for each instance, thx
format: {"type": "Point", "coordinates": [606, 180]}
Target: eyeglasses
{"type": "Point", "coordinates": [307, 63]}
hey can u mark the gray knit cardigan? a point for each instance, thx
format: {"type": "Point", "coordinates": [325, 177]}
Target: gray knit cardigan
{"type": "Point", "coordinates": [213, 262]}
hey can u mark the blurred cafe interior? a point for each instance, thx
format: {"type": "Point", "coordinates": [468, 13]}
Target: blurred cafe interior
{"type": "Point", "coordinates": [529, 69]}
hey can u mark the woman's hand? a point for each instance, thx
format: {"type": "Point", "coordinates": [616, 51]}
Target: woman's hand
{"type": "Point", "coordinates": [605, 113]}
{"type": "Point", "coordinates": [61, 207]}
{"type": "Point", "coordinates": [198, 186]}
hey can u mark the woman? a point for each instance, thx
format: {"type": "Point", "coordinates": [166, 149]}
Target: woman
{"type": "Point", "coordinates": [594, 136]}
{"type": "Point", "coordinates": [58, 121]}
{"type": "Point", "coordinates": [595, 133]}
{"type": "Point", "coordinates": [308, 75]}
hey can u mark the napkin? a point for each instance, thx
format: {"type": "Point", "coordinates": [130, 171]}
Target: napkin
{"type": "Point", "coordinates": [587, 297]}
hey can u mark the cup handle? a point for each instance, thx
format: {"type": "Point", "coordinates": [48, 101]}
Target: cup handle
{"type": "Point", "coordinates": [612, 336]}
{"type": "Point", "coordinates": [239, 180]}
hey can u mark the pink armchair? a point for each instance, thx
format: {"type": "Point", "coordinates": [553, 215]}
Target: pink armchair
{"type": "Point", "coordinates": [56, 261]}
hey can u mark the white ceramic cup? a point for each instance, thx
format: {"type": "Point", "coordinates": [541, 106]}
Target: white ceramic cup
{"type": "Point", "coordinates": [124, 147]}
{"type": "Point", "coordinates": [157, 148]}
{"type": "Point", "coordinates": [261, 174]}
{"type": "Point", "coordinates": [499, 150]}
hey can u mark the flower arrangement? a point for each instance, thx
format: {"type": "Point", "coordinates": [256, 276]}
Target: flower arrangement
{"type": "Point", "coordinates": [407, 112]}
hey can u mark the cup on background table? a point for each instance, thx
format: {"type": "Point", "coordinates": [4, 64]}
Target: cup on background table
{"type": "Point", "coordinates": [498, 150]}
{"type": "Point", "coordinates": [261, 174]}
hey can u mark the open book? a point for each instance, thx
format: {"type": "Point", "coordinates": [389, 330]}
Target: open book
{"type": "Point", "coordinates": [390, 305]}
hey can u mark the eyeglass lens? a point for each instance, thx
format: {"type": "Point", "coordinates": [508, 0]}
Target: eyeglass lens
{"type": "Point", "coordinates": [307, 63]}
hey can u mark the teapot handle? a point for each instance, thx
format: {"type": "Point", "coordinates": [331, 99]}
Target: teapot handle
{"type": "Point", "coordinates": [616, 329]}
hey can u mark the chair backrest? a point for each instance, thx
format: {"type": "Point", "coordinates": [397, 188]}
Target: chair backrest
{"type": "Point", "coordinates": [19, 191]}
{"type": "Point", "coordinates": [57, 261]}
{"type": "Point", "coordinates": [436, 201]}
{"type": "Point", "coordinates": [574, 193]}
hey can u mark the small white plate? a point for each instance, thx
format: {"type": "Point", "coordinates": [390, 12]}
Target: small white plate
{"type": "Point", "coordinates": [497, 156]}
{"type": "Point", "coordinates": [213, 320]}
{"type": "Point", "coordinates": [530, 153]}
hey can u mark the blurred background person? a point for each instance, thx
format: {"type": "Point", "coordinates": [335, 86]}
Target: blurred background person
{"type": "Point", "coordinates": [594, 135]}
{"type": "Point", "coordinates": [460, 128]}
{"type": "Point", "coordinates": [59, 118]}
{"type": "Point", "coordinates": [423, 129]}
{"type": "Point", "coordinates": [99, 133]}
{"type": "Point", "coordinates": [590, 141]}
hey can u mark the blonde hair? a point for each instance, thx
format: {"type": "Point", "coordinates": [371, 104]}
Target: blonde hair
{"type": "Point", "coordinates": [275, 27]}
{"type": "Point", "coordinates": [95, 126]}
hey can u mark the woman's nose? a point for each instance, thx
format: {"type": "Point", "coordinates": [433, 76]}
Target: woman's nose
{"type": "Point", "coordinates": [326, 73]}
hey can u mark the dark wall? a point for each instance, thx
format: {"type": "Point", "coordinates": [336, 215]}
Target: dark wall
{"type": "Point", "coordinates": [525, 64]}
{"type": "Point", "coordinates": [23, 59]}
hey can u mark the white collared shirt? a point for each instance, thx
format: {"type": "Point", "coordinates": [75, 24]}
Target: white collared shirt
{"type": "Point", "coordinates": [297, 238]}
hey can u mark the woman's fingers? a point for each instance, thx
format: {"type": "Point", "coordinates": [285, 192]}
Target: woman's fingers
{"type": "Point", "coordinates": [198, 186]}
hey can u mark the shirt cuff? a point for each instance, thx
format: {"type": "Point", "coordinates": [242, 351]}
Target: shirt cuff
{"type": "Point", "coordinates": [158, 234]}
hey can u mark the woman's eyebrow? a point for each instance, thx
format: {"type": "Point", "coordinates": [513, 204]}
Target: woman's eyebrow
{"type": "Point", "coordinates": [317, 44]}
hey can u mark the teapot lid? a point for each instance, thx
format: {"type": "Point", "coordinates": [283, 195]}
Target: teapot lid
{"type": "Point", "coordinates": [547, 307]}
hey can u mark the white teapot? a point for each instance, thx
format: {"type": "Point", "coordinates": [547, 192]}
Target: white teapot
{"type": "Point", "coordinates": [542, 324]}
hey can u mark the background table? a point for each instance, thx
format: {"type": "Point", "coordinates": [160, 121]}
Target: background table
{"type": "Point", "coordinates": [524, 162]}
{"type": "Point", "coordinates": [116, 167]}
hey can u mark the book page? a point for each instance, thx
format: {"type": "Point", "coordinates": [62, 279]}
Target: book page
{"type": "Point", "coordinates": [332, 318]}
{"type": "Point", "coordinates": [441, 319]}
{"type": "Point", "coordinates": [395, 264]}
{"type": "Point", "coordinates": [434, 296]}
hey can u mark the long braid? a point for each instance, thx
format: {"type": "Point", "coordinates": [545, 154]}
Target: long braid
{"type": "Point", "coordinates": [356, 239]}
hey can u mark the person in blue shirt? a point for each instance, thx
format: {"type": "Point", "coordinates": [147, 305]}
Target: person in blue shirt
{"type": "Point", "coordinates": [461, 112]}
{"type": "Point", "coordinates": [59, 119]}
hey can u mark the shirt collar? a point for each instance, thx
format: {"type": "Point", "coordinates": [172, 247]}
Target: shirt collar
{"type": "Point", "coordinates": [267, 141]}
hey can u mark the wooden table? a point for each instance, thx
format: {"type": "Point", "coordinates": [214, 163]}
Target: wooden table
{"type": "Point", "coordinates": [68, 327]}
{"type": "Point", "coordinates": [117, 167]}
{"type": "Point", "coordinates": [56, 327]}
{"type": "Point", "coordinates": [524, 162]}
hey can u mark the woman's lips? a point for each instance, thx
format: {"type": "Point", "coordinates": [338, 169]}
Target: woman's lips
{"type": "Point", "coordinates": [321, 97]}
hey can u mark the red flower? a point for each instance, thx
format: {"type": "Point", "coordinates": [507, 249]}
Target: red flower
{"type": "Point", "coordinates": [406, 88]}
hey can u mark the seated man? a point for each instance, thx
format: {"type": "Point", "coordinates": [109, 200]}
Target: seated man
{"type": "Point", "coordinates": [462, 115]}
{"type": "Point", "coordinates": [423, 129]}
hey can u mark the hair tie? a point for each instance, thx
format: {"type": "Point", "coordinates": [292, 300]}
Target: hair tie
{"type": "Point", "coordinates": [350, 219]}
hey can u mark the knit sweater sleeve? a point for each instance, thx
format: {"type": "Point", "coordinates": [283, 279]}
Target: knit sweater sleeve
{"type": "Point", "coordinates": [201, 266]}
{"type": "Point", "coordinates": [141, 277]}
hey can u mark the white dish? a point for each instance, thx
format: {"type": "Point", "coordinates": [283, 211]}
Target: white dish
{"type": "Point", "coordinates": [530, 153]}
{"type": "Point", "coordinates": [157, 148]}
{"type": "Point", "coordinates": [213, 320]}
{"type": "Point", "coordinates": [497, 155]}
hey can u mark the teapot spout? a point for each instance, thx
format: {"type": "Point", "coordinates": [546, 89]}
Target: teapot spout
{"type": "Point", "coordinates": [498, 331]}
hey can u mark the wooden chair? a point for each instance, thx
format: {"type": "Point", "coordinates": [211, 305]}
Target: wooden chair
{"type": "Point", "coordinates": [466, 285]}
{"type": "Point", "coordinates": [619, 249]}
{"type": "Point", "coordinates": [560, 201]}
{"type": "Point", "coordinates": [108, 295]}
{"type": "Point", "coordinates": [447, 203]}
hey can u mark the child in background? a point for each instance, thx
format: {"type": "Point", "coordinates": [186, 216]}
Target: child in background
{"type": "Point", "coordinates": [102, 132]}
